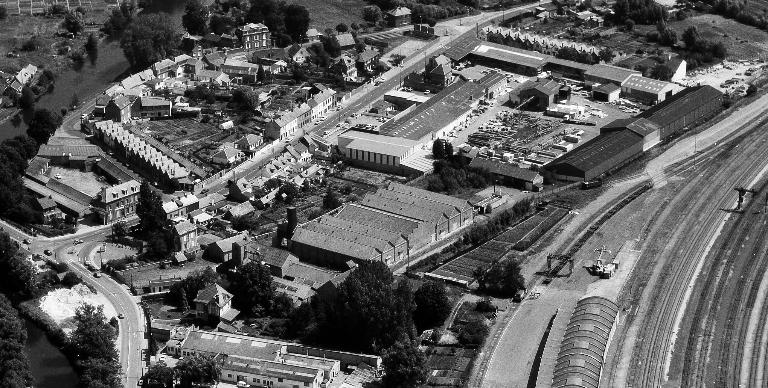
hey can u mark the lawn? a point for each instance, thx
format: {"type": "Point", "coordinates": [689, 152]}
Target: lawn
{"type": "Point", "coordinates": [329, 13]}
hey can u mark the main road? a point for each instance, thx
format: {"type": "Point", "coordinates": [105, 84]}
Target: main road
{"type": "Point", "coordinates": [131, 338]}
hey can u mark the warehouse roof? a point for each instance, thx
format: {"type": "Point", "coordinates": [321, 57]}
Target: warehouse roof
{"type": "Point", "coordinates": [346, 234]}
{"type": "Point", "coordinates": [332, 244]}
{"type": "Point", "coordinates": [231, 345]}
{"type": "Point", "coordinates": [48, 151]}
{"type": "Point", "coordinates": [392, 204]}
{"type": "Point", "coordinates": [380, 144]}
{"type": "Point", "coordinates": [607, 88]}
{"type": "Point", "coordinates": [596, 151]}
{"type": "Point", "coordinates": [585, 342]}
{"type": "Point", "coordinates": [435, 114]}
{"type": "Point", "coordinates": [613, 73]}
{"type": "Point", "coordinates": [645, 84]}
{"type": "Point", "coordinates": [269, 369]}
{"type": "Point", "coordinates": [429, 195]}
{"type": "Point", "coordinates": [545, 86]}
{"type": "Point", "coordinates": [640, 126]}
{"type": "Point", "coordinates": [504, 169]}
{"type": "Point", "coordinates": [461, 47]}
{"type": "Point", "coordinates": [679, 105]}
{"type": "Point", "coordinates": [510, 54]}
{"type": "Point", "coordinates": [65, 202]}
{"type": "Point", "coordinates": [378, 218]}
{"type": "Point", "coordinates": [356, 227]}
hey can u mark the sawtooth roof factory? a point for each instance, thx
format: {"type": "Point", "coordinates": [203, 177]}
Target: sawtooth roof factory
{"type": "Point", "coordinates": [385, 226]}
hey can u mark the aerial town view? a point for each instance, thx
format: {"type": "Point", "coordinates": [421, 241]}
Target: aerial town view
{"type": "Point", "coordinates": [383, 193]}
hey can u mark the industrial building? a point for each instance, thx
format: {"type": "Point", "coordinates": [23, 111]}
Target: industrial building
{"type": "Point", "coordinates": [648, 90]}
{"type": "Point", "coordinates": [508, 58]}
{"type": "Point", "coordinates": [606, 92]}
{"type": "Point", "coordinates": [438, 115]}
{"type": "Point", "coordinates": [604, 74]}
{"type": "Point", "coordinates": [378, 152]}
{"type": "Point", "coordinates": [266, 362]}
{"type": "Point", "coordinates": [509, 174]}
{"type": "Point", "coordinates": [384, 226]}
{"type": "Point", "coordinates": [596, 157]}
{"type": "Point", "coordinates": [623, 140]}
{"type": "Point", "coordinates": [539, 93]}
{"type": "Point", "coordinates": [684, 109]}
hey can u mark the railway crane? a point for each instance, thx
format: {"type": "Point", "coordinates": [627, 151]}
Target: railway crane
{"type": "Point", "coordinates": [742, 192]}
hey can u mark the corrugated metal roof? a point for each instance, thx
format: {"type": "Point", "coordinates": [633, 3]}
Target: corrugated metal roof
{"type": "Point", "coordinates": [586, 339]}
{"type": "Point", "coordinates": [681, 104]}
{"type": "Point", "coordinates": [596, 151]}
{"type": "Point", "coordinates": [613, 73]}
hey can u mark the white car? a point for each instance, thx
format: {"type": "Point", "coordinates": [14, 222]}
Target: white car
{"type": "Point", "coordinates": [57, 176]}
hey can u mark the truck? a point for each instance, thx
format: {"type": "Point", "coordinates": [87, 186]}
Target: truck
{"type": "Point", "coordinates": [520, 295]}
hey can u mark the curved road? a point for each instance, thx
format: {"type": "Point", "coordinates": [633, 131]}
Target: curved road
{"type": "Point", "coordinates": [131, 338]}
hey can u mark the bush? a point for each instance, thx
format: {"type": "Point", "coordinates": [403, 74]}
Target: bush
{"type": "Point", "coordinates": [473, 334]}
{"type": "Point", "coordinates": [70, 280]}
{"type": "Point", "coordinates": [39, 318]}
{"type": "Point", "coordinates": [59, 267]}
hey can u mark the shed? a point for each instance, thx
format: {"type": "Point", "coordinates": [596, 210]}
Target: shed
{"type": "Point", "coordinates": [606, 92]}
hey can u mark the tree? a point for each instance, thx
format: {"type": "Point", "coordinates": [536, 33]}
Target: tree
{"type": "Point", "coordinates": [27, 99]}
{"type": "Point", "coordinates": [253, 289]}
{"type": "Point", "coordinates": [150, 209]}
{"type": "Point", "coordinates": [43, 125]}
{"type": "Point", "coordinates": [70, 280]}
{"type": "Point", "coordinates": [197, 370]}
{"type": "Point", "coordinates": [245, 222]}
{"type": "Point", "coordinates": [503, 278]}
{"type": "Point", "coordinates": [221, 24]}
{"type": "Point", "coordinates": [150, 38]}
{"type": "Point", "coordinates": [119, 19]}
{"type": "Point", "coordinates": [74, 22]}
{"type": "Point", "coordinates": [606, 55]}
{"type": "Point", "coordinates": [439, 149]}
{"type": "Point", "coordinates": [195, 17]}
{"type": "Point", "coordinates": [331, 200]}
{"type": "Point", "coordinates": [432, 305]}
{"type": "Point", "coordinates": [260, 75]}
{"type": "Point", "coordinates": [690, 37]}
{"type": "Point", "coordinates": [99, 373]}
{"type": "Point", "coordinates": [14, 365]}
{"type": "Point", "coordinates": [92, 45]}
{"type": "Point", "coordinates": [473, 333]}
{"type": "Point", "coordinates": [341, 27]}
{"type": "Point", "coordinates": [296, 21]}
{"type": "Point", "coordinates": [629, 24]}
{"type": "Point", "coordinates": [372, 14]}
{"type": "Point", "coordinates": [159, 375]}
{"type": "Point", "coordinates": [404, 366]}
{"type": "Point", "coordinates": [662, 71]}
{"type": "Point", "coordinates": [119, 230]}
{"type": "Point", "coordinates": [3, 12]}
{"type": "Point", "coordinates": [186, 290]}
{"type": "Point", "coordinates": [288, 192]}
{"type": "Point", "coordinates": [93, 337]}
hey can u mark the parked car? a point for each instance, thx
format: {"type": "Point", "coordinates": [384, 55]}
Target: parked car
{"type": "Point", "coordinates": [47, 252]}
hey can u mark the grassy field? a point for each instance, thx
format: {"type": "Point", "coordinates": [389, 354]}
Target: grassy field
{"type": "Point", "coordinates": [742, 41]}
{"type": "Point", "coordinates": [329, 13]}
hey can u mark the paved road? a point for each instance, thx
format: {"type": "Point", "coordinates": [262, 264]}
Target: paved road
{"type": "Point", "coordinates": [131, 341]}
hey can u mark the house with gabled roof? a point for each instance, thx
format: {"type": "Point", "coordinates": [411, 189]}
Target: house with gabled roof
{"type": "Point", "coordinates": [215, 303]}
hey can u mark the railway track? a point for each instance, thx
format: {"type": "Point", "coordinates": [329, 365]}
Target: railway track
{"type": "Point", "coordinates": [734, 270]}
{"type": "Point", "coordinates": [698, 203]}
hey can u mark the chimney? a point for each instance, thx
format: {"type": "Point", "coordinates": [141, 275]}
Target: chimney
{"type": "Point", "coordinates": [292, 221]}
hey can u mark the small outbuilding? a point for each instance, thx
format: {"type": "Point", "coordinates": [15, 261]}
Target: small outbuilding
{"type": "Point", "coordinates": [540, 92]}
{"type": "Point", "coordinates": [606, 92]}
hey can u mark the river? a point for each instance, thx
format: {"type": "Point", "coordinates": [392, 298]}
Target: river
{"type": "Point", "coordinates": [49, 366]}
{"type": "Point", "coordinates": [90, 78]}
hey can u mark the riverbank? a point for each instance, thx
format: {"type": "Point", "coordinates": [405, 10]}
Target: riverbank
{"type": "Point", "coordinates": [85, 82]}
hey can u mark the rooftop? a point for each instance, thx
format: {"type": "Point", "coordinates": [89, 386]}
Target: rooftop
{"type": "Point", "coordinates": [613, 73]}
{"type": "Point", "coordinates": [380, 144]}
{"type": "Point", "coordinates": [599, 150]}
{"type": "Point", "coordinates": [510, 54]}
{"type": "Point", "coordinates": [645, 84]}
{"type": "Point", "coordinates": [504, 169]}
{"type": "Point", "coordinates": [436, 113]}
{"type": "Point", "coordinates": [680, 104]}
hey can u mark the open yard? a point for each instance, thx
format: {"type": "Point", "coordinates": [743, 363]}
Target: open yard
{"type": "Point", "coordinates": [86, 182]}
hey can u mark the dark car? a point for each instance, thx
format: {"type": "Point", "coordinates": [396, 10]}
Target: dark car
{"type": "Point", "coordinates": [47, 252]}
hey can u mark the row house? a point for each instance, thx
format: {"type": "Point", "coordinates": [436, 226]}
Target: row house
{"type": "Point", "coordinates": [539, 43]}
{"type": "Point", "coordinates": [139, 152]}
